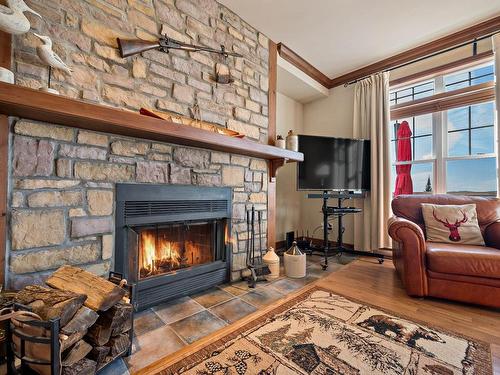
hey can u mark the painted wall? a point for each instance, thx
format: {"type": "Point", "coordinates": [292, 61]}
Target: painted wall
{"type": "Point", "coordinates": [289, 116]}
{"type": "Point", "coordinates": [332, 117]}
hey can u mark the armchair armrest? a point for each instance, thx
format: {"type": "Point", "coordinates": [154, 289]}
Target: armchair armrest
{"type": "Point", "coordinates": [492, 235]}
{"type": "Point", "coordinates": [409, 255]}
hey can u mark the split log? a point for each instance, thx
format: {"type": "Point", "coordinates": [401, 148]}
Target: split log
{"type": "Point", "coordinates": [99, 334]}
{"type": "Point", "coordinates": [117, 320]}
{"type": "Point", "coordinates": [98, 354]}
{"type": "Point", "coordinates": [68, 341]}
{"type": "Point", "coordinates": [81, 321]}
{"type": "Point", "coordinates": [76, 353]}
{"type": "Point", "coordinates": [101, 294]}
{"type": "Point", "coordinates": [50, 303]}
{"type": "Point", "coordinates": [119, 317]}
{"type": "Point", "coordinates": [82, 367]}
{"type": "Point", "coordinates": [118, 344]}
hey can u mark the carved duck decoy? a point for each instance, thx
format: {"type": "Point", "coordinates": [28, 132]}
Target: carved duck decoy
{"type": "Point", "coordinates": [12, 18]}
{"type": "Point", "coordinates": [48, 56]}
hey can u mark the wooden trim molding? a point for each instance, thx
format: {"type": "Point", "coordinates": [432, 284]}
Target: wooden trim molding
{"type": "Point", "coordinates": [5, 62]}
{"type": "Point", "coordinates": [446, 100]}
{"type": "Point", "coordinates": [294, 59]}
{"type": "Point", "coordinates": [271, 181]}
{"type": "Point", "coordinates": [273, 84]}
{"type": "Point", "coordinates": [451, 67]}
{"type": "Point", "coordinates": [479, 30]}
{"type": "Point", "coordinates": [4, 160]}
{"type": "Point", "coordinates": [37, 105]}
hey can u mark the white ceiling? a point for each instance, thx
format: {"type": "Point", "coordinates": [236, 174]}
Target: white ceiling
{"type": "Point", "coordinates": [338, 36]}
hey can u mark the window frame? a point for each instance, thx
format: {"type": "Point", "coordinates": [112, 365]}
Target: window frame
{"type": "Point", "coordinates": [440, 131]}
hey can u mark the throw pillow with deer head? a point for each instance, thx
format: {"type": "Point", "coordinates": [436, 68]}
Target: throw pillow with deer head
{"type": "Point", "coordinates": [452, 224]}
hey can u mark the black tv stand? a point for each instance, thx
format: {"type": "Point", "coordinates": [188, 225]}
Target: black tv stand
{"type": "Point", "coordinates": [339, 211]}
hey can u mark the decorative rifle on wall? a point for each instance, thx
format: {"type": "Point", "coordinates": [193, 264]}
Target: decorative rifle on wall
{"type": "Point", "coordinates": [130, 47]}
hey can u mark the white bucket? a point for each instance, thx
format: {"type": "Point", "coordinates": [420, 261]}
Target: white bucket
{"type": "Point", "coordinates": [295, 265]}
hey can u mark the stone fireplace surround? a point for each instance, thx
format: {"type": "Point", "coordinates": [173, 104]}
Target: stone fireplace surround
{"type": "Point", "coordinates": [62, 180]}
{"type": "Point", "coordinates": [62, 192]}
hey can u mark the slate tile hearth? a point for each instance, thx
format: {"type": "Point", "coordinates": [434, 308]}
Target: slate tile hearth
{"type": "Point", "coordinates": [178, 309]}
{"type": "Point", "coordinates": [168, 327]}
{"type": "Point", "coordinates": [196, 326]}
{"type": "Point", "coordinates": [261, 297]}
{"type": "Point", "coordinates": [233, 310]}
{"type": "Point", "coordinates": [212, 297]}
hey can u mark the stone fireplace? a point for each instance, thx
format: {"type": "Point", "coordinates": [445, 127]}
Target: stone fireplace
{"type": "Point", "coordinates": [172, 241]}
{"type": "Point", "coordinates": [64, 184]}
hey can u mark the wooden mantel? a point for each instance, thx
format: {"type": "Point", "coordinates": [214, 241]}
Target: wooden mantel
{"type": "Point", "coordinates": [37, 105]}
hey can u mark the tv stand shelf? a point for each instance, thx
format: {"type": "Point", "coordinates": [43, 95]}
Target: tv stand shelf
{"type": "Point", "coordinates": [339, 212]}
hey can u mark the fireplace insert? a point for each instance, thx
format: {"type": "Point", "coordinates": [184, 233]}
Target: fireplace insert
{"type": "Point", "coordinates": [172, 240]}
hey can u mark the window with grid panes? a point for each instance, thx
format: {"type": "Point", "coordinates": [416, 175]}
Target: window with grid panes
{"type": "Point", "coordinates": [452, 151]}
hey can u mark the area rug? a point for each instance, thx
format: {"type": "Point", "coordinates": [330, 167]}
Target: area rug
{"type": "Point", "coordinates": [319, 332]}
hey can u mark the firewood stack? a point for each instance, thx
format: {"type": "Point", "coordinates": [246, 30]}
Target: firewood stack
{"type": "Point", "coordinates": [95, 317]}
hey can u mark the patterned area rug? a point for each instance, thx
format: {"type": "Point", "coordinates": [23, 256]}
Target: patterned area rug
{"type": "Point", "coordinates": [319, 332]}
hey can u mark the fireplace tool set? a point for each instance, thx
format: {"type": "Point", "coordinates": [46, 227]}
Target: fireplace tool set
{"type": "Point", "coordinates": [258, 269]}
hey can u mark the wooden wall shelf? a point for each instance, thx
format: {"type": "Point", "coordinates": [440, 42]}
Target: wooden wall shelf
{"type": "Point", "coordinates": [41, 106]}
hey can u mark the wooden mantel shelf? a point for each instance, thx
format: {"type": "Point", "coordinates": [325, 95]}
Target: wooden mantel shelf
{"type": "Point", "coordinates": [41, 106]}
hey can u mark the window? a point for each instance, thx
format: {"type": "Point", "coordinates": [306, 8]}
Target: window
{"type": "Point", "coordinates": [408, 94]}
{"type": "Point", "coordinates": [463, 79]}
{"type": "Point", "coordinates": [453, 151]}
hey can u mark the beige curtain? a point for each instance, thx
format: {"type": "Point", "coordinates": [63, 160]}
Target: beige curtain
{"type": "Point", "coordinates": [496, 48]}
{"type": "Point", "coordinates": [371, 119]}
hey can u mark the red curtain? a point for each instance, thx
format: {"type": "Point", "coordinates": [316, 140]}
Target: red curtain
{"type": "Point", "coordinates": [404, 183]}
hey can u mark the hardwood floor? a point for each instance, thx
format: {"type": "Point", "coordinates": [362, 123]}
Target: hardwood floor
{"type": "Point", "coordinates": [366, 280]}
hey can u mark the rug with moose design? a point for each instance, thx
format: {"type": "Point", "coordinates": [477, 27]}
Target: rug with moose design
{"type": "Point", "coordinates": [323, 333]}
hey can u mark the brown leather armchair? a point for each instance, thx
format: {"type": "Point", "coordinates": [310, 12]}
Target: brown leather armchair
{"type": "Point", "coordinates": [458, 272]}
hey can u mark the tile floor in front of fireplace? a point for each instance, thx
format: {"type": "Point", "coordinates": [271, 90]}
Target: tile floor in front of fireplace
{"type": "Point", "coordinates": [168, 327]}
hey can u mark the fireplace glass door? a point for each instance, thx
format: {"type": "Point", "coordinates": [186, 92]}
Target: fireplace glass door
{"type": "Point", "coordinates": [170, 247]}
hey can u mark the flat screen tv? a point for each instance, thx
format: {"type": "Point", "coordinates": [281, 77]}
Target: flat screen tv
{"type": "Point", "coordinates": [333, 164]}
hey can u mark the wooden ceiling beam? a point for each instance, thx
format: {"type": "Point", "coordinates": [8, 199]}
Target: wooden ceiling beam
{"type": "Point", "coordinates": [297, 61]}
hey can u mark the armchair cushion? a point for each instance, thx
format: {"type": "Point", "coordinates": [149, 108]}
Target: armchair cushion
{"type": "Point", "coordinates": [452, 224]}
{"type": "Point", "coordinates": [469, 260]}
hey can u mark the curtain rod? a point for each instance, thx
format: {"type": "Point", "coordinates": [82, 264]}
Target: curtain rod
{"type": "Point", "coordinates": [474, 41]}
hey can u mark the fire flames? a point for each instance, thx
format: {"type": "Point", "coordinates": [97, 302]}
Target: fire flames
{"type": "Point", "coordinates": [160, 257]}
{"type": "Point", "coordinates": [159, 254]}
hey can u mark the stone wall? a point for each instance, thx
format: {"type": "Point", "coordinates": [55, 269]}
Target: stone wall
{"type": "Point", "coordinates": [62, 180]}
{"type": "Point", "coordinates": [84, 35]}
{"type": "Point", "coordinates": [63, 191]}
